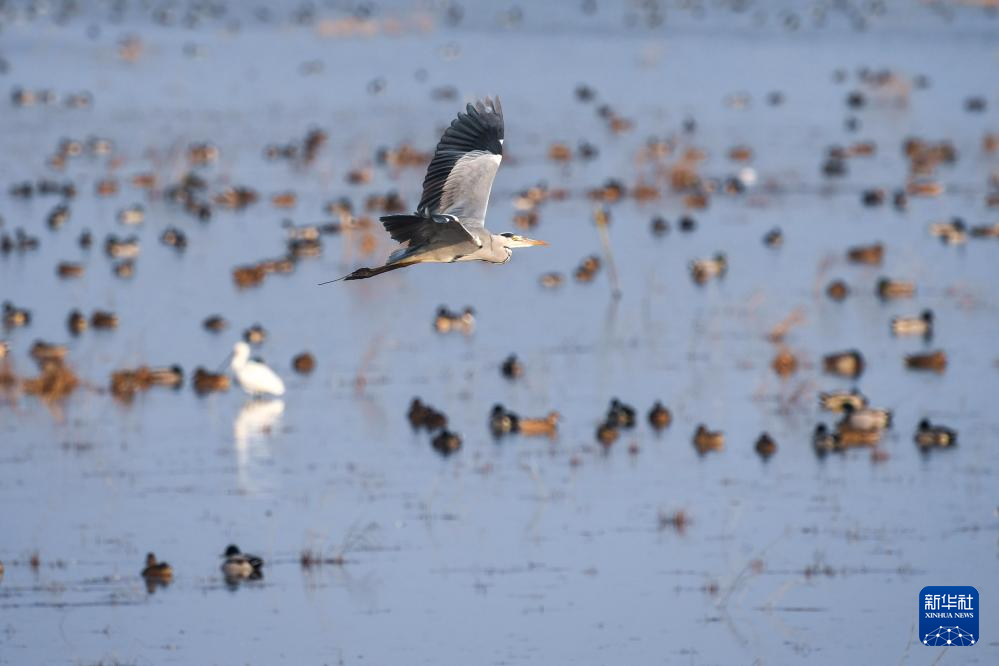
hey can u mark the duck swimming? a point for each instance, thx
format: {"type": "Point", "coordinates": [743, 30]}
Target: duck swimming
{"type": "Point", "coordinates": [935, 361]}
{"type": "Point", "coordinates": [929, 436]}
{"type": "Point", "coordinates": [607, 434]}
{"type": "Point", "coordinates": [765, 446]}
{"type": "Point", "coordinates": [502, 421]}
{"type": "Point", "coordinates": [702, 270]}
{"type": "Point", "coordinates": [921, 325]}
{"type": "Point", "coordinates": [659, 416]}
{"type": "Point", "coordinates": [837, 401]}
{"type": "Point", "coordinates": [546, 426]}
{"type": "Point", "coordinates": [866, 418]}
{"type": "Point", "coordinates": [889, 289]}
{"type": "Point", "coordinates": [621, 415]}
{"type": "Point", "coordinates": [241, 566]}
{"type": "Point", "coordinates": [446, 442]}
{"type": "Point", "coordinates": [706, 440]}
{"type": "Point", "coordinates": [158, 572]}
{"type": "Point", "coordinates": [846, 364]}
{"type": "Point", "coordinates": [824, 441]}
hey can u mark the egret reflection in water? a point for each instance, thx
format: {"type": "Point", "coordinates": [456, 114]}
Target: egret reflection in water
{"type": "Point", "coordinates": [252, 429]}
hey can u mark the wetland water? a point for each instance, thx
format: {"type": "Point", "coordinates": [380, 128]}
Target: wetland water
{"type": "Point", "coordinates": [519, 550]}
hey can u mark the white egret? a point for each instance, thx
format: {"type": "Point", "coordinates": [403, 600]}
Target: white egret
{"type": "Point", "coordinates": [255, 377]}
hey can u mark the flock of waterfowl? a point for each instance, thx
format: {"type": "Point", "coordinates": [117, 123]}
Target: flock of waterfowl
{"type": "Point", "coordinates": [668, 167]}
{"type": "Point", "coordinates": [56, 379]}
{"type": "Point", "coordinates": [236, 567]}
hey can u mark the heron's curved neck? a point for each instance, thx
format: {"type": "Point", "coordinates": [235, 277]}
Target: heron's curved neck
{"type": "Point", "coordinates": [501, 253]}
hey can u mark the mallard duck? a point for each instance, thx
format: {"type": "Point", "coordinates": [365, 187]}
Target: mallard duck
{"type": "Point", "coordinates": [765, 446]}
{"type": "Point", "coordinates": [607, 434]}
{"type": "Point", "coordinates": [248, 276]}
{"type": "Point", "coordinates": [706, 440]}
{"type": "Point", "coordinates": [873, 197]}
{"type": "Point", "coordinates": [928, 435]}
{"type": "Point", "coordinates": [837, 290]}
{"type": "Point", "coordinates": [837, 401]}
{"type": "Point", "coordinates": [44, 352]}
{"type": "Point", "coordinates": [69, 269]}
{"type": "Point", "coordinates": [774, 238]}
{"type": "Point", "coordinates": [546, 426]}
{"type": "Point", "coordinates": [587, 269]}
{"type": "Point", "coordinates": [659, 225]}
{"type": "Point", "coordinates": [512, 368]}
{"type": "Point", "coordinates": [124, 269]}
{"type": "Point", "coordinates": [425, 416]}
{"type": "Point", "coordinates": [659, 416]}
{"type": "Point", "coordinates": [985, 231]}
{"type": "Point", "coordinates": [921, 325]}
{"type": "Point", "coordinates": [132, 215]}
{"type": "Point", "coordinates": [446, 442]}
{"type": "Point", "coordinates": [846, 364]}
{"type": "Point", "coordinates": [172, 376]}
{"type": "Point", "coordinates": [58, 216]}
{"type": "Point", "coordinates": [103, 320]}
{"type": "Point", "coordinates": [446, 321]}
{"type": "Point", "coordinates": [848, 436]}
{"type": "Point", "coordinates": [241, 566]}
{"type": "Point", "coordinates": [417, 413]}
{"type": "Point", "coordinates": [889, 289]}
{"type": "Point", "coordinates": [255, 335]}
{"type": "Point", "coordinates": [502, 422]}
{"type": "Point", "coordinates": [866, 254]}
{"type": "Point", "coordinates": [621, 415]}
{"type": "Point", "coordinates": [952, 232]}
{"type": "Point", "coordinates": [209, 382]}
{"type": "Point", "coordinates": [157, 571]}
{"type": "Point", "coordinates": [702, 270]}
{"type": "Point", "coordinates": [866, 418]}
{"type": "Point", "coordinates": [303, 363]}
{"type": "Point", "coordinates": [687, 224]}
{"type": "Point", "coordinates": [785, 363]}
{"type": "Point", "coordinates": [215, 323]}
{"type": "Point", "coordinates": [76, 322]}
{"type": "Point", "coordinates": [15, 317]}
{"type": "Point", "coordinates": [824, 441]}
{"type": "Point", "coordinates": [551, 280]}
{"type": "Point", "coordinates": [925, 187]}
{"type": "Point", "coordinates": [174, 237]}
{"type": "Point", "coordinates": [121, 248]}
{"type": "Point", "coordinates": [935, 361]}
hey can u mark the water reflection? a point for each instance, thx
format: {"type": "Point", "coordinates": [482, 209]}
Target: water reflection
{"type": "Point", "coordinates": [251, 430]}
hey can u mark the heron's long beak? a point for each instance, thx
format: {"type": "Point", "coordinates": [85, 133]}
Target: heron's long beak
{"type": "Point", "coordinates": [531, 241]}
{"type": "Point", "coordinates": [520, 241]}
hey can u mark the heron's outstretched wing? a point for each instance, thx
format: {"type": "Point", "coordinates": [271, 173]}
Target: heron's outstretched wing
{"type": "Point", "coordinates": [461, 173]}
{"type": "Point", "coordinates": [418, 230]}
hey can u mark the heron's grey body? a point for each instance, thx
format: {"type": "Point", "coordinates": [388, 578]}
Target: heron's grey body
{"type": "Point", "coordinates": [449, 223]}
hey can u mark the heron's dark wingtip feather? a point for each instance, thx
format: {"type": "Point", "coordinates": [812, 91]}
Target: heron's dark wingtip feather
{"type": "Point", "coordinates": [478, 128]}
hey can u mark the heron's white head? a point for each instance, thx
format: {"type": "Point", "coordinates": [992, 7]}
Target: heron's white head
{"type": "Point", "coordinates": [513, 240]}
{"type": "Point", "coordinates": [240, 354]}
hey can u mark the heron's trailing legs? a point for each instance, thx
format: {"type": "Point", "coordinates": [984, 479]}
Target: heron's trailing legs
{"type": "Point", "coordinates": [363, 273]}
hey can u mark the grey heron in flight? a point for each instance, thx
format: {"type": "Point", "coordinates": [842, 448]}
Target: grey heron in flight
{"type": "Point", "coordinates": [449, 223]}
